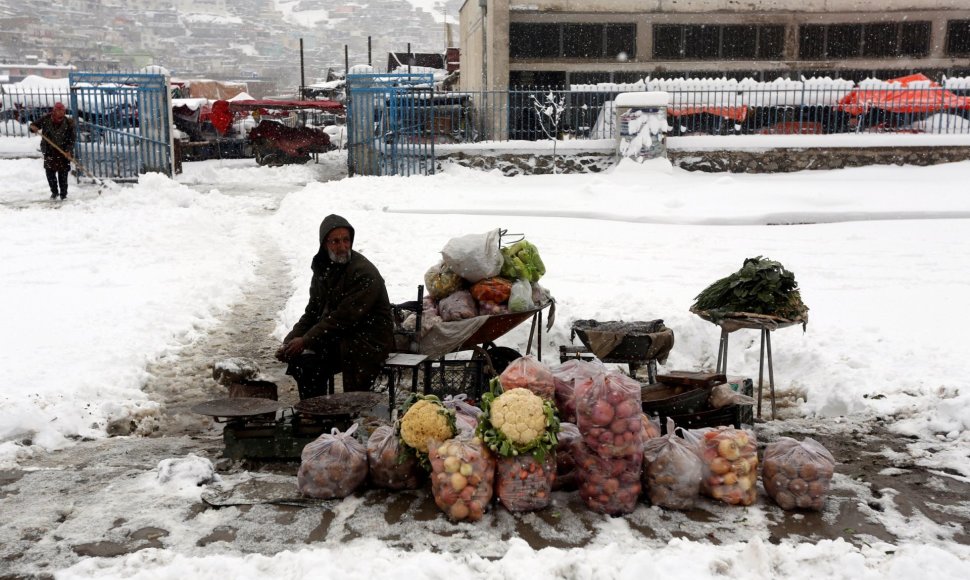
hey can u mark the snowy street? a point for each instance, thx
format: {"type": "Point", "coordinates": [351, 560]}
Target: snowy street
{"type": "Point", "coordinates": [117, 305]}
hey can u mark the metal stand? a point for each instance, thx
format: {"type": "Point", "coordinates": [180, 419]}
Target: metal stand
{"type": "Point", "coordinates": [722, 353]}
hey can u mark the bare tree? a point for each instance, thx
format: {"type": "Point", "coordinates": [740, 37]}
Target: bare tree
{"type": "Point", "coordinates": [549, 111]}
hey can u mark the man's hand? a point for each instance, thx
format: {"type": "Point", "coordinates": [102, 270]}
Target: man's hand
{"type": "Point", "coordinates": [291, 349]}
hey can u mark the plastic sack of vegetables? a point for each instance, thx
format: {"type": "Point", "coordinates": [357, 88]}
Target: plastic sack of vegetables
{"type": "Point", "coordinates": [651, 427]}
{"type": "Point", "coordinates": [520, 428]}
{"type": "Point", "coordinates": [608, 414]}
{"type": "Point", "coordinates": [522, 261]}
{"type": "Point", "coordinates": [495, 289]}
{"type": "Point", "coordinates": [486, 308]}
{"type": "Point", "coordinates": [797, 474]}
{"type": "Point", "coordinates": [566, 452]}
{"type": "Point", "coordinates": [441, 282]}
{"type": "Point", "coordinates": [528, 373]}
{"type": "Point", "coordinates": [520, 299]}
{"type": "Point", "coordinates": [462, 477]}
{"type": "Point", "coordinates": [524, 483]}
{"type": "Point", "coordinates": [423, 418]}
{"type": "Point", "coordinates": [730, 460]}
{"type": "Point", "coordinates": [458, 306]}
{"type": "Point", "coordinates": [466, 414]}
{"type": "Point", "coordinates": [608, 485]}
{"type": "Point", "coordinates": [564, 379]}
{"type": "Point", "coordinates": [333, 465]}
{"type": "Point", "coordinates": [475, 256]}
{"type": "Point", "coordinates": [389, 466]}
{"type": "Point", "coordinates": [672, 471]}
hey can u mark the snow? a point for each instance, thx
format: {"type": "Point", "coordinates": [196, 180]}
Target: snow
{"type": "Point", "coordinates": [101, 286]}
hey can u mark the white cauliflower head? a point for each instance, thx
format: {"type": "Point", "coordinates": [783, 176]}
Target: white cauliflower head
{"type": "Point", "coordinates": [519, 415]}
{"type": "Point", "coordinates": [426, 420]}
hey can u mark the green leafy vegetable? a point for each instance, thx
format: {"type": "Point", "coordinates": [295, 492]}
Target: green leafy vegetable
{"type": "Point", "coordinates": [521, 260]}
{"type": "Point", "coordinates": [761, 286]}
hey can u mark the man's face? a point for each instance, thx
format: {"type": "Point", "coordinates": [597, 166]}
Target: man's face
{"type": "Point", "coordinates": [58, 114]}
{"type": "Point", "coordinates": [339, 245]}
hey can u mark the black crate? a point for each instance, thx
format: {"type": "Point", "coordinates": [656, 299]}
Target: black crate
{"type": "Point", "coordinates": [443, 377]}
{"type": "Point", "coordinates": [726, 416]}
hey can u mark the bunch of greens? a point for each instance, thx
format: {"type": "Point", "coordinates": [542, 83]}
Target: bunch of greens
{"type": "Point", "coordinates": [761, 286]}
{"type": "Point", "coordinates": [521, 260]}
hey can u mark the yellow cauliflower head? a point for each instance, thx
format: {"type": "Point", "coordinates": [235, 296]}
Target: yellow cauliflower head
{"type": "Point", "coordinates": [519, 415]}
{"type": "Point", "coordinates": [426, 419]}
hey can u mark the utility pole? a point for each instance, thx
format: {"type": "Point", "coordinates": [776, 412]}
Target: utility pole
{"type": "Point", "coordinates": [302, 77]}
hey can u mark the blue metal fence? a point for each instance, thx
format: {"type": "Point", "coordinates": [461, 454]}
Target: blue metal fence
{"type": "Point", "coordinates": [392, 120]}
{"type": "Point", "coordinates": [124, 123]}
{"type": "Point", "coordinates": [123, 120]}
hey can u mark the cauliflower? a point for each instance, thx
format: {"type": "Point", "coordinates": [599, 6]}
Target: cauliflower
{"type": "Point", "coordinates": [519, 415]}
{"type": "Point", "coordinates": [426, 419]}
{"type": "Point", "coordinates": [517, 421]}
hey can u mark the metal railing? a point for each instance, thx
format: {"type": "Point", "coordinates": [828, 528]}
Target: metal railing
{"type": "Point", "coordinates": [538, 113]}
{"type": "Point", "coordinates": [543, 113]}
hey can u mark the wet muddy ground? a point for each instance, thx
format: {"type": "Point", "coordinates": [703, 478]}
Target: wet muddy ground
{"type": "Point", "coordinates": [102, 497]}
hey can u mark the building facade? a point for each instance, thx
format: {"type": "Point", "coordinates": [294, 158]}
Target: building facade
{"type": "Point", "coordinates": [507, 43]}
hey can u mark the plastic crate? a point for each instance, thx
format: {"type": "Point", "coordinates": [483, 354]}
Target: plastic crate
{"type": "Point", "coordinates": [443, 377]}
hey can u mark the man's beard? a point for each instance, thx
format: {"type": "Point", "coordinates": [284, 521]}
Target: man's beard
{"type": "Point", "coordinates": [341, 258]}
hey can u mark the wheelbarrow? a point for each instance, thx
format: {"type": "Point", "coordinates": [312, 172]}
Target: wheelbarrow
{"type": "Point", "coordinates": [635, 343]}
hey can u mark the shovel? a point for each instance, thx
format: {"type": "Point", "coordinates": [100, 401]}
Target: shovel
{"type": "Point", "coordinates": [100, 182]}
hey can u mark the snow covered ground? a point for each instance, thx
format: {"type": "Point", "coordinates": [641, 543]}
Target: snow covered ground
{"type": "Point", "coordinates": [97, 289]}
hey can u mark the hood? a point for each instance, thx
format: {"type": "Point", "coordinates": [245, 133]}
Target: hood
{"type": "Point", "coordinates": [322, 261]}
{"type": "Point", "coordinates": [329, 224]}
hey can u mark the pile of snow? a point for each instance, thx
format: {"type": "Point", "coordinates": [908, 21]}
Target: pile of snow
{"type": "Point", "coordinates": [186, 472]}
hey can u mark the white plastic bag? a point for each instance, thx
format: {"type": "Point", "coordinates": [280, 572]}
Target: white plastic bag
{"type": "Point", "coordinates": [521, 298]}
{"type": "Point", "coordinates": [474, 257]}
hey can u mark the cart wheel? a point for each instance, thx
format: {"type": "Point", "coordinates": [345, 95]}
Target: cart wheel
{"type": "Point", "coordinates": [497, 358]}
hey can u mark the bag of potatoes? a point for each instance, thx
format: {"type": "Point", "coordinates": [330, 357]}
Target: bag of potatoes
{"type": "Point", "coordinates": [797, 474]}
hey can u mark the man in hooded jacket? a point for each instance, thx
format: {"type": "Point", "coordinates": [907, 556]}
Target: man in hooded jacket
{"type": "Point", "coordinates": [347, 325]}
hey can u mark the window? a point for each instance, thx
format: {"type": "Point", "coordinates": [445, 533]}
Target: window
{"type": "Point", "coordinates": [626, 77]}
{"type": "Point", "coordinates": [667, 42]}
{"type": "Point", "coordinates": [771, 41]}
{"type": "Point", "coordinates": [844, 40]}
{"type": "Point", "coordinates": [875, 40]}
{"type": "Point", "coordinates": [588, 78]}
{"type": "Point", "coordinates": [714, 41]}
{"type": "Point", "coordinates": [528, 40]}
{"type": "Point", "coordinates": [811, 42]}
{"type": "Point", "coordinates": [621, 38]}
{"type": "Point", "coordinates": [739, 42]}
{"type": "Point", "coordinates": [529, 78]}
{"type": "Point", "coordinates": [880, 39]}
{"type": "Point", "coordinates": [915, 39]}
{"type": "Point", "coordinates": [958, 37]}
{"type": "Point", "coordinates": [581, 41]}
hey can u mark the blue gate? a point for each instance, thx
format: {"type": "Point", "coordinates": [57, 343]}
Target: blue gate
{"type": "Point", "coordinates": [124, 124]}
{"type": "Point", "coordinates": [390, 124]}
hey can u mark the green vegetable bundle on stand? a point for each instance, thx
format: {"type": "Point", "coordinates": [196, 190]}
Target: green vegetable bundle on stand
{"type": "Point", "coordinates": [761, 286]}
